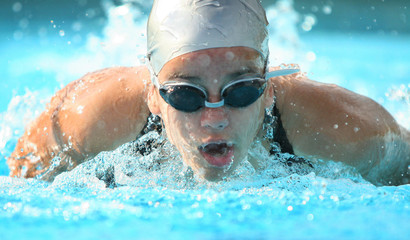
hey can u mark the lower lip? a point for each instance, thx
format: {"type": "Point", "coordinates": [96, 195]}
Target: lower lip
{"type": "Point", "coordinates": [219, 161]}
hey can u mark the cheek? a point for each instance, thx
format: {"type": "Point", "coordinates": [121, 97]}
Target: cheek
{"type": "Point", "coordinates": [248, 122]}
{"type": "Point", "coordinates": [179, 126]}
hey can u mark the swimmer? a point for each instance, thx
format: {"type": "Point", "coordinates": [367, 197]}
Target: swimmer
{"type": "Point", "coordinates": [207, 77]}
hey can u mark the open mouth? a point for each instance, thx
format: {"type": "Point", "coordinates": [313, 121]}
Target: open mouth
{"type": "Point", "coordinates": [217, 153]}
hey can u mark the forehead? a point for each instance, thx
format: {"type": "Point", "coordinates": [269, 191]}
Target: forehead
{"type": "Point", "coordinates": [214, 61]}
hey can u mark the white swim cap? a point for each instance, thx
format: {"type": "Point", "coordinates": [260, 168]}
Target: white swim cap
{"type": "Point", "coordinates": [177, 27]}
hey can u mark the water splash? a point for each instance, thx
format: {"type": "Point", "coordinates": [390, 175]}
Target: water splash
{"type": "Point", "coordinates": [21, 110]}
{"type": "Point", "coordinates": [285, 45]}
{"type": "Point", "coordinates": [400, 95]}
{"type": "Point", "coordinates": [126, 191]}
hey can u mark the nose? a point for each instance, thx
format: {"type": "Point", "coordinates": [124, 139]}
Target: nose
{"type": "Point", "coordinates": [214, 119]}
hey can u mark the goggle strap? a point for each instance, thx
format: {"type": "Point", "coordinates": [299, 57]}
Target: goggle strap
{"type": "Point", "coordinates": [281, 72]}
{"type": "Point", "coordinates": [214, 105]}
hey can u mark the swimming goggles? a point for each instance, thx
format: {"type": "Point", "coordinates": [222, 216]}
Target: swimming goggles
{"type": "Point", "coordinates": [188, 97]}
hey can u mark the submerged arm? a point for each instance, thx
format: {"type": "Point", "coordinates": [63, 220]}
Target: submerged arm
{"type": "Point", "coordinates": [329, 122]}
{"type": "Point", "coordinates": [95, 113]}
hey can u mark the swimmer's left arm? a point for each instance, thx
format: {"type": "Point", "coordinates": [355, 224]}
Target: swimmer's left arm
{"type": "Point", "coordinates": [329, 122]}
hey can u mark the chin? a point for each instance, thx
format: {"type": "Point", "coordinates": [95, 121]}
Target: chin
{"type": "Point", "coordinates": [214, 176]}
{"type": "Point", "coordinates": [213, 173]}
{"type": "Point", "coordinates": [203, 169]}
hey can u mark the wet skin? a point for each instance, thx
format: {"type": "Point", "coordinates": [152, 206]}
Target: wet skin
{"type": "Point", "coordinates": [107, 108]}
{"type": "Point", "coordinates": [224, 126]}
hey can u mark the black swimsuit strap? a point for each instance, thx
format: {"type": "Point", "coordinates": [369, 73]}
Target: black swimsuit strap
{"type": "Point", "coordinates": [280, 133]}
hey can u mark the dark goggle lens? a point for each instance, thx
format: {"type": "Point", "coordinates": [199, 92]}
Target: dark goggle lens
{"type": "Point", "coordinates": [183, 98]}
{"type": "Point", "coordinates": [243, 94]}
{"type": "Point", "coordinates": [190, 99]}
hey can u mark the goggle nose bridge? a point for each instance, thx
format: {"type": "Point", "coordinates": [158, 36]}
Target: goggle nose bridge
{"type": "Point", "coordinates": [215, 104]}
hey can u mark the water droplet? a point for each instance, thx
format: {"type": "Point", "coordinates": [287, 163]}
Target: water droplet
{"type": "Point", "coordinates": [335, 126]}
{"type": "Point", "coordinates": [42, 32]}
{"type": "Point", "coordinates": [90, 13]}
{"type": "Point", "coordinates": [229, 56]}
{"type": "Point", "coordinates": [80, 109]}
{"type": "Point", "coordinates": [311, 56]}
{"type": "Point", "coordinates": [309, 22]}
{"type": "Point", "coordinates": [61, 33]}
{"type": "Point", "coordinates": [17, 6]}
{"type": "Point", "coordinates": [77, 26]}
{"type": "Point", "coordinates": [18, 35]}
{"type": "Point", "coordinates": [23, 23]}
{"type": "Point", "coordinates": [327, 9]}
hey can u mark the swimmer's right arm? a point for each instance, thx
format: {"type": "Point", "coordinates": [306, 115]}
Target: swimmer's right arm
{"type": "Point", "coordinates": [332, 123]}
{"type": "Point", "coordinates": [95, 113]}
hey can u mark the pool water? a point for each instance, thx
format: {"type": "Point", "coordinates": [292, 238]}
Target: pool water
{"type": "Point", "coordinates": [114, 196]}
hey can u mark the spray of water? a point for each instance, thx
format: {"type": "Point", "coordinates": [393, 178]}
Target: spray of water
{"type": "Point", "coordinates": [123, 42]}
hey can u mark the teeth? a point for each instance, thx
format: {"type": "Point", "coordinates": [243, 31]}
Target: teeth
{"type": "Point", "coordinates": [228, 144]}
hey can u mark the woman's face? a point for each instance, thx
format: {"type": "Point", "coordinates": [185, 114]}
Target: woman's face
{"type": "Point", "coordinates": [212, 141]}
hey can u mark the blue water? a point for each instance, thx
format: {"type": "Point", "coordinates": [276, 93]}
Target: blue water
{"type": "Point", "coordinates": [333, 202]}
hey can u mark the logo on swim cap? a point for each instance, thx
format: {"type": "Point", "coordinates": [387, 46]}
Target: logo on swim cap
{"type": "Point", "coordinates": [177, 27]}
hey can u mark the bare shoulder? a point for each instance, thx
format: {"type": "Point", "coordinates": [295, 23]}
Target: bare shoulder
{"type": "Point", "coordinates": [331, 122]}
{"type": "Point", "coordinates": [342, 113]}
{"type": "Point", "coordinates": [97, 112]}
{"type": "Point", "coordinates": [104, 105]}
{"type": "Point", "coordinates": [127, 77]}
